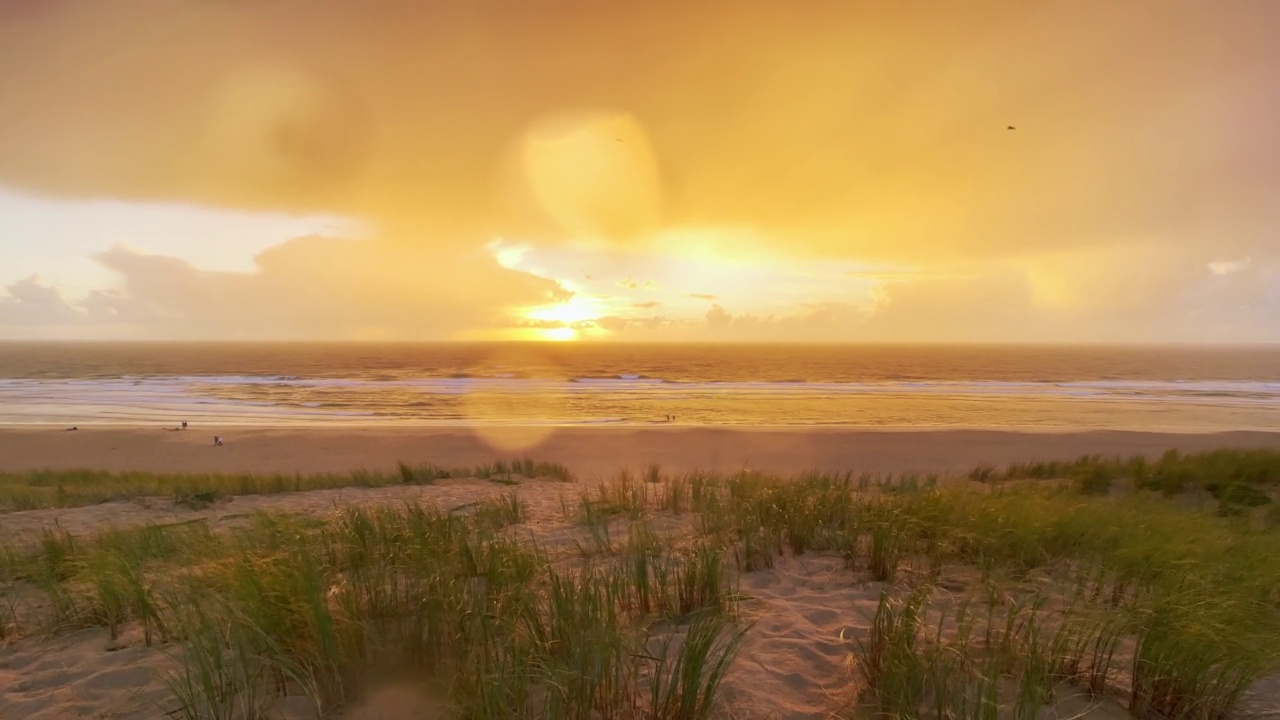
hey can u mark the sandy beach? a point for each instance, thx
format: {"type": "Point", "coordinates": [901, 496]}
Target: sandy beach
{"type": "Point", "coordinates": [589, 452]}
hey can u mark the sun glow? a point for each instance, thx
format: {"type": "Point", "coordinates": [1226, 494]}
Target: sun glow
{"type": "Point", "coordinates": [570, 312]}
{"type": "Point", "coordinates": [568, 320]}
{"type": "Point", "coordinates": [561, 334]}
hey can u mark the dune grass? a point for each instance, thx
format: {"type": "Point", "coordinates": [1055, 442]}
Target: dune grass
{"type": "Point", "coordinates": [1169, 608]}
{"type": "Point", "coordinates": [295, 605]}
{"type": "Point", "coordinates": [1171, 473]}
{"type": "Point", "coordinates": [1237, 478]}
{"type": "Point", "coordinates": [1175, 612]}
{"type": "Point", "coordinates": [75, 488]}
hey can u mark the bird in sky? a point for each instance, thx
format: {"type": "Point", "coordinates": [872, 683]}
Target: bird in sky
{"type": "Point", "coordinates": [1011, 128]}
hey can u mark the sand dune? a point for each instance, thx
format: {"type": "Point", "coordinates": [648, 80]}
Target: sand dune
{"type": "Point", "coordinates": [808, 613]}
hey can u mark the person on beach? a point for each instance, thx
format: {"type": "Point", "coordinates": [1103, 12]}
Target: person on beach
{"type": "Point", "coordinates": [184, 424]}
{"type": "Point", "coordinates": [217, 441]}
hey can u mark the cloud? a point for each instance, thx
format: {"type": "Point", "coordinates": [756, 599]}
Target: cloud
{"type": "Point", "coordinates": [1135, 200]}
{"type": "Point", "coordinates": [538, 324]}
{"type": "Point", "coordinates": [1089, 298]}
{"type": "Point", "coordinates": [951, 310]}
{"type": "Point", "coordinates": [832, 320]}
{"type": "Point", "coordinates": [631, 284]}
{"type": "Point", "coordinates": [320, 288]}
{"type": "Point", "coordinates": [645, 328]}
{"type": "Point", "coordinates": [1227, 267]}
{"type": "Point", "coordinates": [30, 302]}
{"type": "Point", "coordinates": [837, 130]}
{"type": "Point", "coordinates": [646, 305]}
{"type": "Point", "coordinates": [718, 318]}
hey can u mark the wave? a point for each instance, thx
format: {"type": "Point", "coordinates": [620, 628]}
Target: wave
{"type": "Point", "coordinates": [616, 380]}
{"type": "Point", "coordinates": [280, 399]}
{"type": "Point", "coordinates": [593, 406]}
{"type": "Point", "coordinates": [136, 387]}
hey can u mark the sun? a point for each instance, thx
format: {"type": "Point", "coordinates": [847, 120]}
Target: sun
{"type": "Point", "coordinates": [567, 318]}
{"type": "Point", "coordinates": [576, 309]}
{"type": "Point", "coordinates": [560, 334]}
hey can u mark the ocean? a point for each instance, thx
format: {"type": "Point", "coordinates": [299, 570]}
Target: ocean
{"type": "Point", "coordinates": [290, 384]}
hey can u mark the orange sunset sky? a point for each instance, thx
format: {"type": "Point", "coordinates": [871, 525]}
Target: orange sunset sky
{"type": "Point", "coordinates": [812, 170]}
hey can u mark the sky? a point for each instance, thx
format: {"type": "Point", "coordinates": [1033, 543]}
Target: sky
{"type": "Point", "coordinates": [609, 170]}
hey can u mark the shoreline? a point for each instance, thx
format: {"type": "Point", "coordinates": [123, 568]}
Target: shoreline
{"type": "Point", "coordinates": [416, 425]}
{"type": "Point", "coordinates": [590, 452]}
{"type": "Point", "coordinates": [456, 425]}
